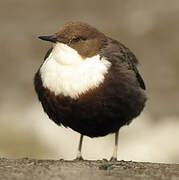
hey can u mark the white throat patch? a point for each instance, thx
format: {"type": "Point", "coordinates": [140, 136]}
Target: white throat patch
{"type": "Point", "coordinates": [66, 72]}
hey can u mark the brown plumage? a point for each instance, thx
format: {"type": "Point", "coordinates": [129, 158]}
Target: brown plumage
{"type": "Point", "coordinates": [103, 109]}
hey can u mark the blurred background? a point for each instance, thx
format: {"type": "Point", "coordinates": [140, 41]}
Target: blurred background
{"type": "Point", "coordinates": [149, 28]}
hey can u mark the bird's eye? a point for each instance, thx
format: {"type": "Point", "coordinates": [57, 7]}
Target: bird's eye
{"type": "Point", "coordinates": [76, 39]}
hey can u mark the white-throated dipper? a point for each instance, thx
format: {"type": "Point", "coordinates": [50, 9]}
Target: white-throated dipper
{"type": "Point", "coordinates": [89, 82]}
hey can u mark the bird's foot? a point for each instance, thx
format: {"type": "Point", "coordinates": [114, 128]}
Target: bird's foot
{"type": "Point", "coordinates": [79, 158]}
{"type": "Point", "coordinates": [113, 159]}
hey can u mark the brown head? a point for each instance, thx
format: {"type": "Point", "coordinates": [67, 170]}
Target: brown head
{"type": "Point", "coordinates": [85, 39]}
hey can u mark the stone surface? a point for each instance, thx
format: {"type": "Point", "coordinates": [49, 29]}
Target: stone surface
{"type": "Point", "coordinates": [31, 169]}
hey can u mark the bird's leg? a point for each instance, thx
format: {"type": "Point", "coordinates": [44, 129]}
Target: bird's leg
{"type": "Point", "coordinates": [79, 156]}
{"type": "Point", "coordinates": [114, 156]}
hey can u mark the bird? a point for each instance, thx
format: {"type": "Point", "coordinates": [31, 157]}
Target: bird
{"type": "Point", "coordinates": [89, 82]}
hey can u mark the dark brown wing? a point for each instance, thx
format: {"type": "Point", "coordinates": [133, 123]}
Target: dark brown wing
{"type": "Point", "coordinates": [118, 53]}
{"type": "Point", "coordinates": [132, 61]}
{"type": "Point", "coordinates": [48, 53]}
{"type": "Point", "coordinates": [139, 78]}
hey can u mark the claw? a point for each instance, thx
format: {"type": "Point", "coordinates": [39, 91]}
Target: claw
{"type": "Point", "coordinates": [80, 158]}
{"type": "Point", "coordinates": [113, 159]}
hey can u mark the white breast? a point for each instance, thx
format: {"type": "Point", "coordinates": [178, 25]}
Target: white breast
{"type": "Point", "coordinates": [66, 72]}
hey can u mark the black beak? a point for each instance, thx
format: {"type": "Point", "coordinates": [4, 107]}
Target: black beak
{"type": "Point", "coordinates": [48, 38]}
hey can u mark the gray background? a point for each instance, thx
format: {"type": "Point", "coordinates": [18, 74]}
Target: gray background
{"type": "Point", "coordinates": [149, 28]}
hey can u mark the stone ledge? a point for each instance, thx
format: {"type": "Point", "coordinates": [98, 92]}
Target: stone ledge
{"type": "Point", "coordinates": [33, 169]}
